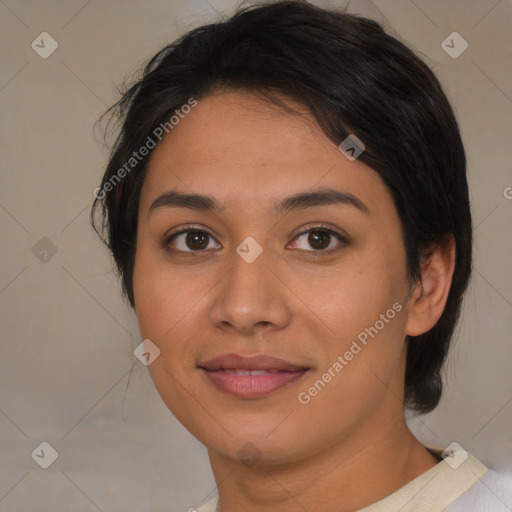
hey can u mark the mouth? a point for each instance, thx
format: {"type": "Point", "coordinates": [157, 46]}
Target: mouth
{"type": "Point", "coordinates": [251, 377]}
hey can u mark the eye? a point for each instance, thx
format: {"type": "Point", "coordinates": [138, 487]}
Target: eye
{"type": "Point", "coordinates": [189, 240]}
{"type": "Point", "coordinates": [321, 239]}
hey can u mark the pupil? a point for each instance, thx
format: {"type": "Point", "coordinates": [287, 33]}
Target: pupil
{"type": "Point", "coordinates": [193, 237]}
{"type": "Point", "coordinates": [322, 235]}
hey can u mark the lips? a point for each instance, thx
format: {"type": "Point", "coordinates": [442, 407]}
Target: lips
{"type": "Point", "coordinates": [251, 377]}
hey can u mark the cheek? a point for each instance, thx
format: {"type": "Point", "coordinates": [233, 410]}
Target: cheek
{"type": "Point", "coordinates": [163, 302]}
{"type": "Point", "coordinates": [364, 312]}
{"type": "Point", "coordinates": [168, 309]}
{"type": "Point", "coordinates": [170, 304]}
{"type": "Point", "coordinates": [158, 304]}
{"type": "Point", "coordinates": [352, 297]}
{"type": "Point", "coordinates": [362, 369]}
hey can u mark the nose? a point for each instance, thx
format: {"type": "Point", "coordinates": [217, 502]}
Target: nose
{"type": "Point", "coordinates": [251, 297]}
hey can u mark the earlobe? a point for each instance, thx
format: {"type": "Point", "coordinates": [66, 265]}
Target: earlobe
{"type": "Point", "coordinates": [429, 297]}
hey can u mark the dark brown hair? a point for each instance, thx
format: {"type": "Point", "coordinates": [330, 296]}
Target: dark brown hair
{"type": "Point", "coordinates": [355, 79]}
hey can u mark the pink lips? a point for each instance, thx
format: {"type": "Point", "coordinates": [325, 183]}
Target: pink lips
{"type": "Point", "coordinates": [251, 377]}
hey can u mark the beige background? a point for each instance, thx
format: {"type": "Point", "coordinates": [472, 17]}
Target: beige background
{"type": "Point", "coordinates": [67, 337]}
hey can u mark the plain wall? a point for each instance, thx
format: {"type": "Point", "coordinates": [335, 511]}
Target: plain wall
{"type": "Point", "coordinates": [67, 372]}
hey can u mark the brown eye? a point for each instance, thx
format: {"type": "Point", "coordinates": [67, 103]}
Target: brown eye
{"type": "Point", "coordinates": [196, 240]}
{"type": "Point", "coordinates": [188, 241]}
{"type": "Point", "coordinates": [320, 239]}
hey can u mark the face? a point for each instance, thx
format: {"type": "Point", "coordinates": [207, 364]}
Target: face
{"type": "Point", "coordinates": [279, 315]}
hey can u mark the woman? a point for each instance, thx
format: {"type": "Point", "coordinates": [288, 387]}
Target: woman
{"type": "Point", "coordinates": [288, 209]}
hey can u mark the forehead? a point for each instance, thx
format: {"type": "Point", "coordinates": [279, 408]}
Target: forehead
{"type": "Point", "coordinates": [244, 129]}
{"type": "Point", "coordinates": [244, 149]}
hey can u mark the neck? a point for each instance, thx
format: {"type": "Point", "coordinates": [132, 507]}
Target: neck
{"type": "Point", "coordinates": [348, 476]}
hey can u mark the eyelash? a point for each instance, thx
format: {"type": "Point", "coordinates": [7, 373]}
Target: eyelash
{"type": "Point", "coordinates": [317, 228]}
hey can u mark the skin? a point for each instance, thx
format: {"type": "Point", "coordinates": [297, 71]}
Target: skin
{"type": "Point", "coordinates": [349, 446]}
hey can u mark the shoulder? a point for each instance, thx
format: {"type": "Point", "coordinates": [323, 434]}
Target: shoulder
{"type": "Point", "coordinates": [492, 493]}
{"type": "Point", "coordinates": [209, 506]}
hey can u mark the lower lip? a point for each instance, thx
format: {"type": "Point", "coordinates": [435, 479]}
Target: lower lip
{"type": "Point", "coordinates": [252, 386]}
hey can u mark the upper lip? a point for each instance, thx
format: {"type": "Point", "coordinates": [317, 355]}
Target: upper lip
{"type": "Point", "coordinates": [260, 362]}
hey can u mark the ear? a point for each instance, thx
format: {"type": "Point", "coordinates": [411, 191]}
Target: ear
{"type": "Point", "coordinates": [429, 296]}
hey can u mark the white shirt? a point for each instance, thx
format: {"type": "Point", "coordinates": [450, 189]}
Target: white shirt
{"type": "Point", "coordinates": [451, 486]}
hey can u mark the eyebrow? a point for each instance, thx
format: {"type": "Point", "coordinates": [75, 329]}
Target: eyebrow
{"type": "Point", "coordinates": [300, 201]}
